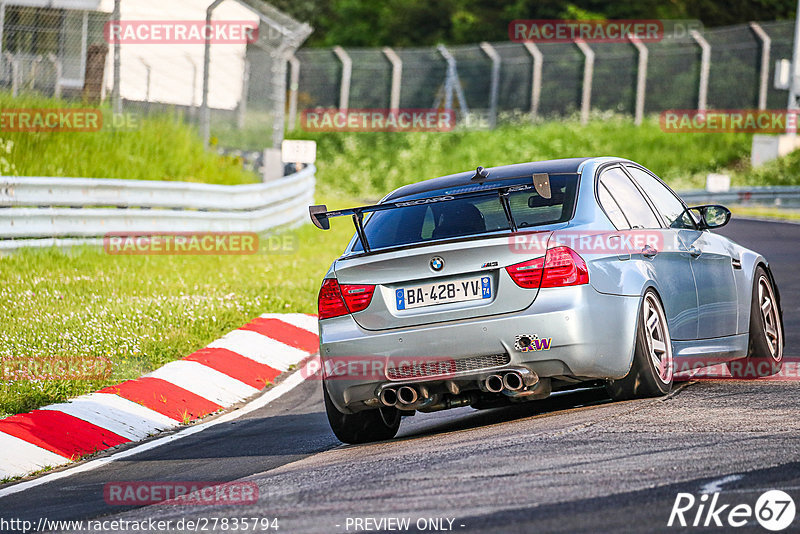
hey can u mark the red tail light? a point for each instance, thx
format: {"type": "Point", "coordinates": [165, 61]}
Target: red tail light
{"type": "Point", "coordinates": [561, 267]}
{"type": "Point", "coordinates": [357, 298]}
{"type": "Point", "coordinates": [527, 275]}
{"type": "Point", "coordinates": [564, 267]}
{"type": "Point", "coordinates": [336, 300]}
{"type": "Point", "coordinates": [330, 302]}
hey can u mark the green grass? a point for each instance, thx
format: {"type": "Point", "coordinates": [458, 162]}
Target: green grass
{"type": "Point", "coordinates": [154, 148]}
{"type": "Point", "coordinates": [140, 312]}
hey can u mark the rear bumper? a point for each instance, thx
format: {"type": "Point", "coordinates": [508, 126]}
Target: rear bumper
{"type": "Point", "coordinates": [592, 336]}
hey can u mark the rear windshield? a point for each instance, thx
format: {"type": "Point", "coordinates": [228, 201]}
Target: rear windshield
{"type": "Point", "coordinates": [472, 216]}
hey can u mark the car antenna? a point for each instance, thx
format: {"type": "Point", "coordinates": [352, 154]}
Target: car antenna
{"type": "Point", "coordinates": [481, 174]}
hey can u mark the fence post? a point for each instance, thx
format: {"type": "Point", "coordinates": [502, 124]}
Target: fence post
{"type": "Point", "coordinates": [536, 82]}
{"type": "Point", "coordinates": [397, 77]}
{"type": "Point", "coordinates": [149, 71]}
{"type": "Point", "coordinates": [59, 72]}
{"type": "Point", "coordinates": [294, 87]}
{"type": "Point", "coordinates": [347, 76]}
{"type": "Point", "coordinates": [242, 111]}
{"type": "Point", "coordinates": [34, 68]}
{"type": "Point", "coordinates": [452, 83]}
{"type": "Point", "coordinates": [280, 58]}
{"type": "Point", "coordinates": [495, 87]}
{"type": "Point", "coordinates": [193, 102]}
{"type": "Point", "coordinates": [84, 43]}
{"type": "Point", "coordinates": [705, 68]}
{"type": "Point", "coordinates": [641, 79]}
{"type": "Point", "coordinates": [588, 74]}
{"type": "Point", "coordinates": [205, 113]}
{"type": "Point", "coordinates": [766, 45]}
{"type": "Point", "coordinates": [14, 72]}
{"type": "Point", "coordinates": [116, 92]}
{"type": "Point", "coordinates": [2, 22]}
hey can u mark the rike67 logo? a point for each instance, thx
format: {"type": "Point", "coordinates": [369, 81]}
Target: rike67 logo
{"type": "Point", "coordinates": [774, 510]}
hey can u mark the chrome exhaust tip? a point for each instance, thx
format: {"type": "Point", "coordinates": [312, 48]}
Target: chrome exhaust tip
{"type": "Point", "coordinates": [494, 384]}
{"type": "Point", "coordinates": [388, 396]}
{"type": "Point", "coordinates": [407, 395]}
{"type": "Point", "coordinates": [513, 381]}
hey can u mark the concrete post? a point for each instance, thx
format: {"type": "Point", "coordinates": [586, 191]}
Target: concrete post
{"type": "Point", "coordinates": [588, 74]}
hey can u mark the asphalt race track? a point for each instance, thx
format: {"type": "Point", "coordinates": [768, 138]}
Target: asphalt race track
{"type": "Point", "coordinates": [575, 462]}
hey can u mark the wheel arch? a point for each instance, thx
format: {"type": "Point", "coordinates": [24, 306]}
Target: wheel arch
{"type": "Point", "coordinates": [763, 264]}
{"type": "Point", "coordinates": [647, 286]}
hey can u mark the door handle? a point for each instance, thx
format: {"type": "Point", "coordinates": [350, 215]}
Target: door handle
{"type": "Point", "coordinates": [649, 252]}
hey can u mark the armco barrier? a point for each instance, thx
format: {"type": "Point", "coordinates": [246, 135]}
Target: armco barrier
{"type": "Point", "coordinates": [773, 196]}
{"type": "Point", "coordinates": [67, 211]}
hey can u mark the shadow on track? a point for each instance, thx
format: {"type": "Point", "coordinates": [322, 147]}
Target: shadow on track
{"type": "Point", "coordinates": [467, 418]}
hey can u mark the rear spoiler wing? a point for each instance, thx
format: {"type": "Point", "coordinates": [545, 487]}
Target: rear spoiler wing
{"type": "Point", "coordinates": [320, 215]}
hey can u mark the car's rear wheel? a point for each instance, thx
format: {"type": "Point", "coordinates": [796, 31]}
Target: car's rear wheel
{"type": "Point", "coordinates": [361, 427]}
{"type": "Point", "coordinates": [765, 349]}
{"type": "Point", "coordinates": [652, 369]}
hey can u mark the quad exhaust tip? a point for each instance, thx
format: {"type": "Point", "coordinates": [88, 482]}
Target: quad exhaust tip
{"type": "Point", "coordinates": [389, 397]}
{"type": "Point", "coordinates": [407, 395]}
{"type": "Point", "coordinates": [513, 381]}
{"type": "Point", "coordinates": [494, 384]}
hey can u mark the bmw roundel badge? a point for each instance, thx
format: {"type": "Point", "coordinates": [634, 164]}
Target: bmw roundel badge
{"type": "Point", "coordinates": [437, 264]}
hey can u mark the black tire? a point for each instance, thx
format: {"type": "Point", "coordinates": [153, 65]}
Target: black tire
{"type": "Point", "coordinates": [361, 427]}
{"type": "Point", "coordinates": [765, 348]}
{"type": "Point", "coordinates": [644, 379]}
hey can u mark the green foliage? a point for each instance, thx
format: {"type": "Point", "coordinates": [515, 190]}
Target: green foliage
{"type": "Point", "coordinates": [369, 165]}
{"type": "Point", "coordinates": [428, 22]}
{"type": "Point", "coordinates": [782, 171]}
{"type": "Point", "coordinates": [159, 147]}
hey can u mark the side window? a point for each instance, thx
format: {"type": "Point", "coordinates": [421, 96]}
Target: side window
{"type": "Point", "coordinates": [668, 205]}
{"type": "Point", "coordinates": [629, 198]}
{"type": "Point", "coordinates": [612, 208]}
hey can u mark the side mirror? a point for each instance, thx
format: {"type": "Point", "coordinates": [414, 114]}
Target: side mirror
{"type": "Point", "coordinates": [713, 216]}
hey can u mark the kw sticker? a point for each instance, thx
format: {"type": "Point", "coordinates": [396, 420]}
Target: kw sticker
{"type": "Point", "coordinates": [532, 343]}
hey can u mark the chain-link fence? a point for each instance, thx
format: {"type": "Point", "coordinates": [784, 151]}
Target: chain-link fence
{"type": "Point", "coordinates": [69, 53]}
{"type": "Point", "coordinates": [672, 81]}
{"type": "Point", "coordinates": [149, 56]}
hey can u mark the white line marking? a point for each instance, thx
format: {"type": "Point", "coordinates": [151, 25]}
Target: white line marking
{"type": "Point", "coordinates": [121, 416]}
{"type": "Point", "coordinates": [294, 380]}
{"type": "Point", "coordinates": [205, 381]}
{"type": "Point", "coordinates": [260, 348]}
{"type": "Point", "coordinates": [18, 457]}
{"type": "Point", "coordinates": [716, 485]}
{"type": "Point", "coordinates": [300, 320]}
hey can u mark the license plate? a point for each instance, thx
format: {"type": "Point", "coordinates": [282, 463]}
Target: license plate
{"type": "Point", "coordinates": [479, 288]}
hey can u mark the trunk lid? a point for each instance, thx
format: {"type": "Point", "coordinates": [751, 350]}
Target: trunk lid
{"type": "Point", "coordinates": [403, 275]}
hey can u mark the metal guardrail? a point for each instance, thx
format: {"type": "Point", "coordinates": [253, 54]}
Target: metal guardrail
{"type": "Point", "coordinates": [67, 211]}
{"type": "Point", "coordinates": [772, 196]}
